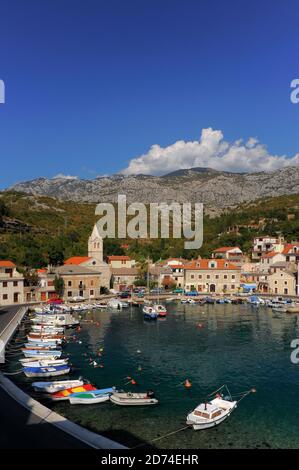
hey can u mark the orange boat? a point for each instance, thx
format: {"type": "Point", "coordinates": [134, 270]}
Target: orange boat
{"type": "Point", "coordinates": [64, 394]}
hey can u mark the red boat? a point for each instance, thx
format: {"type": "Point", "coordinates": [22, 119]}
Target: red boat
{"type": "Point", "coordinates": [63, 394]}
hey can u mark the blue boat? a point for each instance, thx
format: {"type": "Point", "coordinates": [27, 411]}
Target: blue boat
{"type": "Point", "coordinates": [49, 371]}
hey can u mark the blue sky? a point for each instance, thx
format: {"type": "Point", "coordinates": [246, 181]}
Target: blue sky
{"type": "Point", "coordinates": [92, 85]}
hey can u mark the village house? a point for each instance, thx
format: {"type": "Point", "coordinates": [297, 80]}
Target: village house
{"type": "Point", "coordinates": [123, 272]}
{"type": "Point", "coordinates": [120, 261]}
{"type": "Point", "coordinates": [11, 284]}
{"type": "Point", "coordinates": [80, 281]}
{"type": "Point", "coordinates": [233, 254]}
{"type": "Point", "coordinates": [268, 259]}
{"type": "Point", "coordinates": [266, 244]}
{"type": "Point", "coordinates": [212, 276]}
{"type": "Point", "coordinates": [282, 282]}
{"type": "Point", "coordinates": [124, 278]}
{"type": "Point", "coordinates": [45, 290]}
{"type": "Point", "coordinates": [291, 252]}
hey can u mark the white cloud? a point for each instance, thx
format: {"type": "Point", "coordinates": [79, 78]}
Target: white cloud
{"type": "Point", "coordinates": [64, 177]}
{"type": "Point", "coordinates": [210, 151]}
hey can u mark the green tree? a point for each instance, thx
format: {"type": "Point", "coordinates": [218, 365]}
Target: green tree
{"type": "Point", "coordinates": [59, 286]}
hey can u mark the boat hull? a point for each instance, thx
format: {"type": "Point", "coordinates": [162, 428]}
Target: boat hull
{"type": "Point", "coordinates": [56, 386]}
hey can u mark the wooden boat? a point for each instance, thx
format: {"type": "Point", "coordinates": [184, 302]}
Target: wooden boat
{"type": "Point", "coordinates": [92, 397]}
{"type": "Point", "coordinates": [56, 386]}
{"type": "Point", "coordinates": [50, 371]}
{"type": "Point", "coordinates": [64, 394]}
{"type": "Point", "coordinates": [133, 399]}
{"type": "Point", "coordinates": [279, 308]}
{"type": "Point", "coordinates": [45, 338]}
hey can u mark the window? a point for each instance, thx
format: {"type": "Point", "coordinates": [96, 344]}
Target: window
{"type": "Point", "coordinates": [192, 276]}
{"type": "Point", "coordinates": [217, 276]}
{"type": "Point", "coordinates": [200, 276]}
{"type": "Point", "coordinates": [5, 296]}
{"type": "Point", "coordinates": [92, 292]}
{"type": "Point", "coordinates": [233, 286]}
{"type": "Point", "coordinates": [69, 283]}
{"type": "Point", "coordinates": [225, 276]}
{"type": "Point", "coordinates": [69, 294]}
{"type": "Point", "coordinates": [233, 276]}
{"type": "Point", "coordinates": [4, 283]}
{"type": "Point", "coordinates": [208, 276]}
{"type": "Point", "coordinates": [15, 283]}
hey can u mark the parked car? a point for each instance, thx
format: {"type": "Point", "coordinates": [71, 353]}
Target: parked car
{"type": "Point", "coordinates": [192, 293]}
{"type": "Point", "coordinates": [179, 290]}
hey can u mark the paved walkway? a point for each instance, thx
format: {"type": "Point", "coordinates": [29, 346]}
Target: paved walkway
{"type": "Point", "coordinates": [20, 428]}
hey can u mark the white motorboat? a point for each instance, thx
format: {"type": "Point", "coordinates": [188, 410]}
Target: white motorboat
{"type": "Point", "coordinates": [149, 312]}
{"type": "Point", "coordinates": [41, 354]}
{"type": "Point", "coordinates": [208, 415]}
{"type": "Point", "coordinates": [133, 399]}
{"type": "Point", "coordinates": [56, 386]}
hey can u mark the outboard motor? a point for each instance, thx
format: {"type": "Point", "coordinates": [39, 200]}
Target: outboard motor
{"type": "Point", "coordinates": [150, 394]}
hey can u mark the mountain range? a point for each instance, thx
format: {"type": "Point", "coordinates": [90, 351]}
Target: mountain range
{"type": "Point", "coordinates": [218, 190]}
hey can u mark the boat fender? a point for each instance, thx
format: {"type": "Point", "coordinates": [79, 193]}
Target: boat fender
{"type": "Point", "coordinates": [133, 382]}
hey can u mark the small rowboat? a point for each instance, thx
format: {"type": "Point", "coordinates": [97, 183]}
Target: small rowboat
{"type": "Point", "coordinates": [47, 329]}
{"type": "Point", "coordinates": [90, 398]}
{"type": "Point", "coordinates": [133, 399]}
{"type": "Point", "coordinates": [56, 386]}
{"type": "Point", "coordinates": [38, 362]}
{"type": "Point", "coordinates": [50, 371]}
{"type": "Point", "coordinates": [41, 346]}
{"type": "Point", "coordinates": [64, 394]}
{"type": "Point", "coordinates": [39, 338]}
{"type": "Point", "coordinates": [39, 354]}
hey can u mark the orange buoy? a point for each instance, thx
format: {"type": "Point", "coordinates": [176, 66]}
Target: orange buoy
{"type": "Point", "coordinates": [187, 384]}
{"type": "Point", "coordinates": [133, 382]}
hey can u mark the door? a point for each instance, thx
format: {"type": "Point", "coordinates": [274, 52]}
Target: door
{"type": "Point", "coordinates": [16, 297]}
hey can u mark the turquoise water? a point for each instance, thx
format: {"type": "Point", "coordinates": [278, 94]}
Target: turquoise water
{"type": "Point", "coordinates": [237, 345]}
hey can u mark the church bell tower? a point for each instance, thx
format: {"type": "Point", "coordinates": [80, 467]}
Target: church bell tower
{"type": "Point", "coordinates": [95, 245]}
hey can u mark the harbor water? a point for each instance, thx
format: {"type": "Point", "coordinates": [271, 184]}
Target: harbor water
{"type": "Point", "coordinates": [211, 345]}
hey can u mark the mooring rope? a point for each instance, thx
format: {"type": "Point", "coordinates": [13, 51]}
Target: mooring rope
{"type": "Point", "coordinates": [162, 437]}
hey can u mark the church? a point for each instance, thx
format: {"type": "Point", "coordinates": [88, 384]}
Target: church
{"type": "Point", "coordinates": [84, 276]}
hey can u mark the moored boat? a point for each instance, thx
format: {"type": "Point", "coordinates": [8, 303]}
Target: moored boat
{"type": "Point", "coordinates": [160, 309]}
{"type": "Point", "coordinates": [91, 397]}
{"type": "Point", "coordinates": [50, 371]}
{"type": "Point", "coordinates": [64, 394]}
{"type": "Point", "coordinates": [56, 386]}
{"type": "Point", "coordinates": [45, 362]}
{"type": "Point", "coordinates": [149, 312]}
{"type": "Point", "coordinates": [37, 353]}
{"type": "Point", "coordinates": [133, 399]}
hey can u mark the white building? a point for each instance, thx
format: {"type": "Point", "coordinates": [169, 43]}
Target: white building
{"type": "Point", "coordinates": [11, 284]}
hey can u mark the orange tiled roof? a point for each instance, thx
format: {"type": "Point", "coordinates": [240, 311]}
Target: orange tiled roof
{"type": "Point", "coordinates": [7, 264]}
{"type": "Point", "coordinates": [118, 258]}
{"type": "Point", "coordinates": [77, 260]}
{"type": "Point", "coordinates": [221, 264]}
{"type": "Point", "coordinates": [223, 249]}
{"type": "Point", "coordinates": [288, 247]}
{"type": "Point", "coordinates": [271, 254]}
